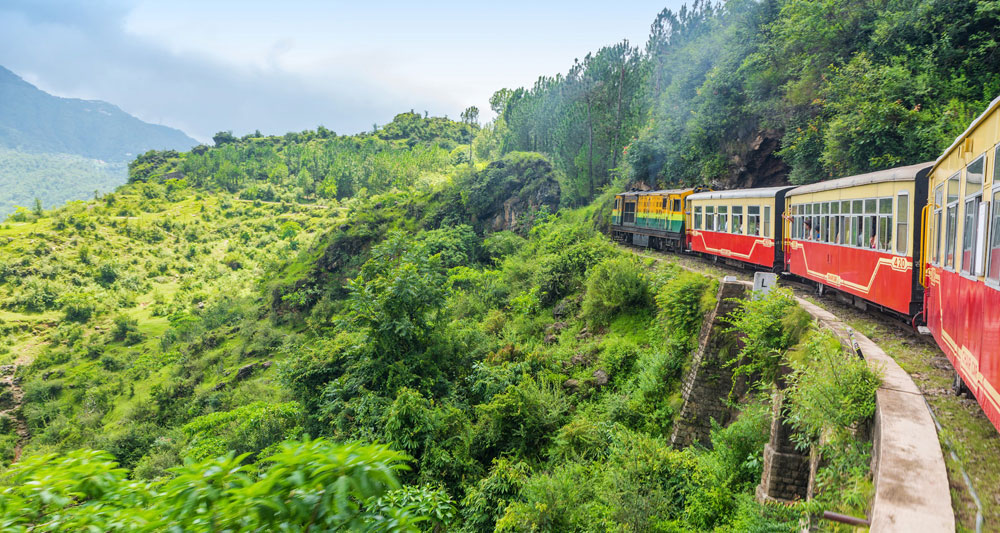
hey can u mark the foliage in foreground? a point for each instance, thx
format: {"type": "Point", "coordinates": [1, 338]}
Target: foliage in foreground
{"type": "Point", "coordinates": [305, 485]}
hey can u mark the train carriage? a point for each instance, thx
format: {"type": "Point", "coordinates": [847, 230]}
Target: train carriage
{"type": "Point", "coordinates": [962, 258]}
{"type": "Point", "coordinates": [858, 235]}
{"type": "Point", "coordinates": [741, 226]}
{"type": "Point", "coordinates": [653, 219]}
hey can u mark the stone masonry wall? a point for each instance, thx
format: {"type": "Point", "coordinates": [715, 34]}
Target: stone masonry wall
{"type": "Point", "coordinates": [786, 475]}
{"type": "Point", "coordinates": [708, 382]}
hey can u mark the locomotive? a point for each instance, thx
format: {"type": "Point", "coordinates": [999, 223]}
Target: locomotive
{"type": "Point", "coordinates": [921, 242]}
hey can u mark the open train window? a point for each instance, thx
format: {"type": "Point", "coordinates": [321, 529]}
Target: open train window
{"type": "Point", "coordinates": [738, 219]}
{"type": "Point", "coordinates": [936, 224]}
{"type": "Point", "coordinates": [951, 222]}
{"type": "Point", "coordinates": [885, 224]}
{"type": "Point", "coordinates": [753, 220]}
{"type": "Point", "coordinates": [971, 256]}
{"type": "Point", "coordinates": [993, 266]}
{"type": "Point", "coordinates": [722, 218]}
{"type": "Point", "coordinates": [677, 205]}
{"type": "Point", "coordinates": [807, 225]}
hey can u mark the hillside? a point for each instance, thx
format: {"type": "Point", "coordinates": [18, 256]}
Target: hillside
{"type": "Point", "coordinates": [527, 368]}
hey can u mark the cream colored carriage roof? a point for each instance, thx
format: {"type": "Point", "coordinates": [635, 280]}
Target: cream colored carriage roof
{"type": "Point", "coordinates": [661, 192]}
{"type": "Point", "coordinates": [762, 192]}
{"type": "Point", "coordinates": [907, 173]}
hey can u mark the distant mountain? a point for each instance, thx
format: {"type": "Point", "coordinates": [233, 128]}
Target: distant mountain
{"type": "Point", "coordinates": [61, 149]}
{"type": "Point", "coordinates": [34, 121]}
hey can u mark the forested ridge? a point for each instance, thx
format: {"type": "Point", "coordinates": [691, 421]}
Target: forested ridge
{"type": "Point", "coordinates": [423, 328]}
{"type": "Point", "coordinates": [747, 93]}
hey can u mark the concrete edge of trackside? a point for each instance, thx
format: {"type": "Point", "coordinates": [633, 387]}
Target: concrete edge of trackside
{"type": "Point", "coordinates": [911, 481]}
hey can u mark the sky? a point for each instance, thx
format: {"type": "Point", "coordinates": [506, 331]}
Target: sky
{"type": "Point", "coordinates": [244, 65]}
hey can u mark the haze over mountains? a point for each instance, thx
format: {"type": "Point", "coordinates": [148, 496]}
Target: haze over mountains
{"type": "Point", "coordinates": [60, 149]}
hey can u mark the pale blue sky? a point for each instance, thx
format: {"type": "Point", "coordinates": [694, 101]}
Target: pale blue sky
{"type": "Point", "coordinates": [285, 66]}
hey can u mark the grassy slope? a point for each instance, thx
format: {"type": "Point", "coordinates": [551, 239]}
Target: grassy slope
{"type": "Point", "coordinates": [182, 273]}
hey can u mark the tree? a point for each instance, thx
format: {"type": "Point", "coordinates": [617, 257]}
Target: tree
{"type": "Point", "coordinates": [471, 117]}
{"type": "Point", "coordinates": [223, 137]}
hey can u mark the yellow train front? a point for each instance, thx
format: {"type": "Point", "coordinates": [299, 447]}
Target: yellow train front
{"type": "Point", "coordinates": [651, 219]}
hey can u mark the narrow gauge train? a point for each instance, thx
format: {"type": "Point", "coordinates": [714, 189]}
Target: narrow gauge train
{"type": "Point", "coordinates": [921, 242]}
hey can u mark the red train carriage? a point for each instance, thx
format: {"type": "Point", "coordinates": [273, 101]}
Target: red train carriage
{"type": "Point", "coordinates": [858, 235]}
{"type": "Point", "coordinates": [962, 258]}
{"type": "Point", "coordinates": [742, 226]}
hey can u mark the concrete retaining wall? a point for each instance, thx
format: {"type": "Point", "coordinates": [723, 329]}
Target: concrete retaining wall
{"type": "Point", "coordinates": [911, 481]}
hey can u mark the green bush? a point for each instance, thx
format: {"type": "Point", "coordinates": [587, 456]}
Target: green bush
{"type": "Point", "coordinates": [126, 329]}
{"type": "Point", "coordinates": [248, 429]}
{"type": "Point", "coordinates": [615, 285]}
{"type": "Point", "coordinates": [521, 420]}
{"type": "Point", "coordinates": [770, 325]}
{"type": "Point", "coordinates": [684, 299]}
{"type": "Point", "coordinates": [78, 306]}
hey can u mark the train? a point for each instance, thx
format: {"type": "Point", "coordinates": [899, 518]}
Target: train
{"type": "Point", "coordinates": [919, 242]}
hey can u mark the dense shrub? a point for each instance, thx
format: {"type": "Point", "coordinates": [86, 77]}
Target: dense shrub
{"type": "Point", "coordinates": [769, 326]}
{"type": "Point", "coordinates": [684, 299]}
{"type": "Point", "coordinates": [615, 285]}
{"type": "Point", "coordinates": [521, 420]}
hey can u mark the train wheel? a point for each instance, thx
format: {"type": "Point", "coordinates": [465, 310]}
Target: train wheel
{"type": "Point", "coordinates": [959, 387]}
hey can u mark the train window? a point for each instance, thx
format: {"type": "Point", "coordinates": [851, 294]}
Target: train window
{"type": "Point", "coordinates": [677, 204]}
{"type": "Point", "coordinates": [868, 234]}
{"type": "Point", "coordinates": [936, 224]}
{"type": "Point", "coordinates": [870, 207]}
{"type": "Point", "coordinates": [767, 221]}
{"type": "Point", "coordinates": [824, 226]}
{"type": "Point", "coordinates": [738, 219]}
{"type": "Point", "coordinates": [993, 270]}
{"type": "Point", "coordinates": [710, 217]}
{"type": "Point", "coordinates": [854, 238]}
{"type": "Point", "coordinates": [953, 185]}
{"type": "Point", "coordinates": [902, 222]}
{"type": "Point", "coordinates": [969, 233]}
{"type": "Point", "coordinates": [753, 220]}
{"type": "Point", "coordinates": [723, 218]}
{"type": "Point", "coordinates": [973, 197]}
{"type": "Point", "coordinates": [664, 206]}
{"type": "Point", "coordinates": [951, 221]}
{"type": "Point", "coordinates": [885, 224]}
{"type": "Point", "coordinates": [974, 177]}
{"type": "Point", "coordinates": [951, 216]}
{"type": "Point", "coordinates": [996, 170]}
{"type": "Point", "coordinates": [697, 217]}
